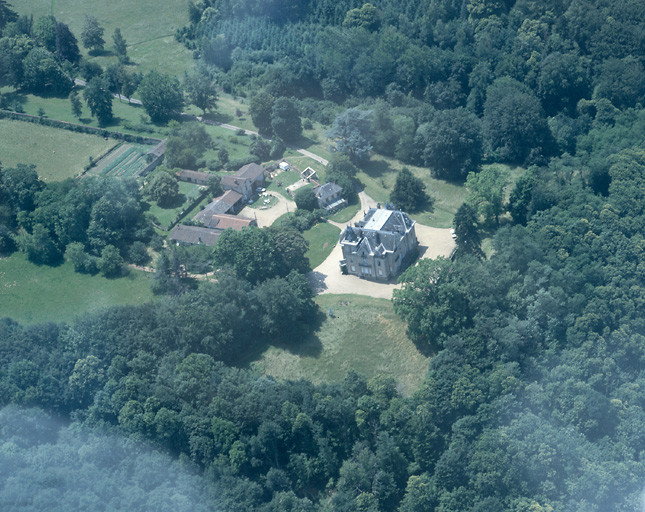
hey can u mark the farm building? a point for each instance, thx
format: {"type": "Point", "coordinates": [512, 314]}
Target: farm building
{"type": "Point", "coordinates": [245, 181]}
{"type": "Point", "coordinates": [193, 235]}
{"type": "Point", "coordinates": [380, 246]}
{"type": "Point", "coordinates": [223, 221]}
{"type": "Point", "coordinates": [229, 202]}
{"type": "Point", "coordinates": [196, 177]}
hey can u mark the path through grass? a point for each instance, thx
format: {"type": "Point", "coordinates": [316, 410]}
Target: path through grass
{"type": "Point", "coordinates": [36, 293]}
{"type": "Point", "coordinates": [364, 335]}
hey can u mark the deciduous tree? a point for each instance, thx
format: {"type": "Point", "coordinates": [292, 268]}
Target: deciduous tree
{"type": "Point", "coordinates": [92, 34]}
{"type": "Point", "coordinates": [161, 95]}
{"type": "Point", "coordinates": [200, 90]}
{"type": "Point", "coordinates": [99, 98]}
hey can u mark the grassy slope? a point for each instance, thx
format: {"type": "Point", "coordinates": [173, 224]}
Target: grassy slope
{"type": "Point", "coordinates": [148, 26]}
{"type": "Point", "coordinates": [364, 335]}
{"type": "Point", "coordinates": [57, 154]}
{"type": "Point", "coordinates": [322, 239]}
{"type": "Point", "coordinates": [32, 293]}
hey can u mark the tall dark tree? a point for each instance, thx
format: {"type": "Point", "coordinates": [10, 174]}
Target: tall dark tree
{"type": "Point", "coordinates": [285, 120]}
{"type": "Point", "coordinates": [66, 44]}
{"type": "Point", "coordinates": [99, 99]}
{"type": "Point", "coordinates": [306, 199]}
{"type": "Point", "coordinates": [92, 34]}
{"type": "Point", "coordinates": [409, 192]}
{"type": "Point", "coordinates": [45, 32]}
{"type": "Point", "coordinates": [467, 231]}
{"type": "Point", "coordinates": [77, 107]}
{"type": "Point", "coordinates": [120, 46]}
{"type": "Point", "coordinates": [451, 144]}
{"type": "Point", "coordinates": [7, 14]}
{"type": "Point", "coordinates": [260, 109]}
{"type": "Point", "coordinates": [43, 74]}
{"type": "Point", "coordinates": [514, 123]}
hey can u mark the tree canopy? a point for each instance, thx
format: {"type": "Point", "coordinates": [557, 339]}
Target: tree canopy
{"type": "Point", "coordinates": [161, 95]}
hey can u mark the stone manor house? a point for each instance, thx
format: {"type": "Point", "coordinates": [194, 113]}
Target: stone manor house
{"type": "Point", "coordinates": [380, 246]}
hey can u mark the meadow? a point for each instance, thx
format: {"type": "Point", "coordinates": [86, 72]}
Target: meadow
{"type": "Point", "coordinates": [57, 154]}
{"type": "Point", "coordinates": [364, 334]}
{"type": "Point", "coordinates": [148, 27]}
{"type": "Point", "coordinates": [32, 293]}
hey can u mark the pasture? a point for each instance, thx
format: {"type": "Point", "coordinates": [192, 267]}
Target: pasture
{"type": "Point", "coordinates": [32, 293]}
{"type": "Point", "coordinates": [57, 154]}
{"type": "Point", "coordinates": [148, 27]}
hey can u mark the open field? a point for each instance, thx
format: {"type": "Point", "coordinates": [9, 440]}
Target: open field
{"type": "Point", "coordinates": [57, 154]}
{"type": "Point", "coordinates": [322, 239]}
{"type": "Point", "coordinates": [364, 335]}
{"type": "Point", "coordinates": [37, 293]}
{"type": "Point", "coordinates": [148, 26]}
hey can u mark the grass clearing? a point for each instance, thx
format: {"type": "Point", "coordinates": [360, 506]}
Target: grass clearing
{"type": "Point", "coordinates": [379, 175]}
{"type": "Point", "coordinates": [364, 335]}
{"type": "Point", "coordinates": [148, 26]}
{"type": "Point", "coordinates": [188, 192]}
{"type": "Point", "coordinates": [322, 239]}
{"type": "Point", "coordinates": [283, 180]}
{"type": "Point", "coordinates": [37, 293]}
{"type": "Point", "coordinates": [57, 154]}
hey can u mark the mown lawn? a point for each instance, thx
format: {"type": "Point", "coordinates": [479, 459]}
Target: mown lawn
{"type": "Point", "coordinates": [148, 26]}
{"type": "Point", "coordinates": [36, 293]}
{"type": "Point", "coordinates": [322, 239]}
{"type": "Point", "coordinates": [364, 335]}
{"type": "Point", "coordinates": [57, 154]}
{"type": "Point", "coordinates": [379, 175]}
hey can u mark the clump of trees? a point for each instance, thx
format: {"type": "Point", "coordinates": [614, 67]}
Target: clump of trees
{"type": "Point", "coordinates": [79, 218]}
{"type": "Point", "coordinates": [186, 145]}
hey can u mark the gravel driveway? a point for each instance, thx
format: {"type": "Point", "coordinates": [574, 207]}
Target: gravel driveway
{"type": "Point", "coordinates": [267, 217]}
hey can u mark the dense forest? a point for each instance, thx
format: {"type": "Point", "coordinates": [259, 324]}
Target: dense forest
{"type": "Point", "coordinates": [532, 401]}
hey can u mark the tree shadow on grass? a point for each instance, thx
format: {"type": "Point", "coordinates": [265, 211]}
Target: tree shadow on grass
{"type": "Point", "coordinates": [218, 117]}
{"type": "Point", "coordinates": [301, 341]}
{"type": "Point", "coordinates": [176, 203]}
{"type": "Point", "coordinates": [101, 53]}
{"type": "Point", "coordinates": [376, 168]}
